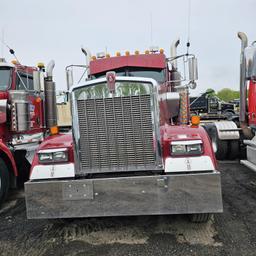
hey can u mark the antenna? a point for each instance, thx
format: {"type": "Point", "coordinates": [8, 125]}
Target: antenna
{"type": "Point", "coordinates": [10, 50]}
{"type": "Point", "coordinates": [151, 29]}
{"type": "Point", "coordinates": [189, 18]}
{"type": "Point", "coordinates": [2, 46]}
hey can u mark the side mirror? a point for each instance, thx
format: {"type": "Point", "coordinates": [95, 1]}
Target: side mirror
{"type": "Point", "coordinates": [38, 80]}
{"type": "Point", "coordinates": [69, 77]}
{"type": "Point", "coordinates": [193, 69]}
{"type": "Point", "coordinates": [250, 57]}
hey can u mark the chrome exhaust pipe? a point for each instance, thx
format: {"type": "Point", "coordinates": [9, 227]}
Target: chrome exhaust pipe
{"type": "Point", "coordinates": [49, 69]}
{"type": "Point", "coordinates": [242, 112]}
{"type": "Point", "coordinates": [174, 46]}
{"type": "Point", "coordinates": [88, 56]}
{"type": "Point", "coordinates": [50, 97]}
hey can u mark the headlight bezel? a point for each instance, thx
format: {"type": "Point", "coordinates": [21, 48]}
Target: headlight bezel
{"type": "Point", "coordinates": [54, 156]}
{"type": "Point", "coordinates": [187, 148]}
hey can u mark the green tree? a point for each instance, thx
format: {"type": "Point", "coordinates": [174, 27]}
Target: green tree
{"type": "Point", "coordinates": [210, 92]}
{"type": "Point", "coordinates": [227, 94]}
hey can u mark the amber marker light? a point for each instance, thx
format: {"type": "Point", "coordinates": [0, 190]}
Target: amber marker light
{"type": "Point", "coordinates": [38, 99]}
{"type": "Point", "coordinates": [107, 55]}
{"type": "Point", "coordinates": [40, 65]}
{"type": "Point", "coordinates": [127, 53]}
{"type": "Point", "coordinates": [14, 62]}
{"type": "Point", "coordinates": [137, 52]}
{"type": "Point", "coordinates": [147, 52]}
{"type": "Point", "coordinates": [161, 50]}
{"type": "Point", "coordinates": [118, 54]}
{"type": "Point", "coordinates": [195, 120]}
{"type": "Point", "coordinates": [93, 58]}
{"type": "Point", "coordinates": [54, 130]}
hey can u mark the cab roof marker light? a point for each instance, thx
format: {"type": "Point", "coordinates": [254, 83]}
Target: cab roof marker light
{"type": "Point", "coordinates": [40, 65]}
{"type": "Point", "coordinates": [147, 52]}
{"type": "Point", "coordinates": [107, 55]}
{"type": "Point", "coordinates": [127, 53]}
{"type": "Point", "coordinates": [137, 52]}
{"type": "Point", "coordinates": [118, 54]}
{"type": "Point", "coordinates": [14, 62]}
{"type": "Point", "coordinates": [161, 50]}
{"type": "Point", "coordinates": [93, 58]}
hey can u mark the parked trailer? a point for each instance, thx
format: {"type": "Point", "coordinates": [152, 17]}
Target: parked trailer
{"type": "Point", "coordinates": [133, 149]}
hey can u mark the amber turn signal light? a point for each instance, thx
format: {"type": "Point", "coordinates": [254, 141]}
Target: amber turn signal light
{"type": "Point", "coordinates": [54, 130]}
{"type": "Point", "coordinates": [195, 120]}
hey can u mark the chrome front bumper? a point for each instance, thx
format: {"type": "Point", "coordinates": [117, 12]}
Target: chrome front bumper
{"type": "Point", "coordinates": [137, 195]}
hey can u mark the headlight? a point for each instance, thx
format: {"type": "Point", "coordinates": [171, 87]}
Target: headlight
{"type": "Point", "coordinates": [53, 155]}
{"type": "Point", "coordinates": [193, 147]}
{"type": "Point", "coordinates": [179, 149]}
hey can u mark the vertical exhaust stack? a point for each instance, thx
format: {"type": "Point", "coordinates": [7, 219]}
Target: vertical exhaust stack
{"type": "Point", "coordinates": [175, 75]}
{"type": "Point", "coordinates": [50, 97]}
{"type": "Point", "coordinates": [174, 52]}
{"type": "Point", "coordinates": [88, 56]}
{"type": "Point", "coordinates": [243, 82]}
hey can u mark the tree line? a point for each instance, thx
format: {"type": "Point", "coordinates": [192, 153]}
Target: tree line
{"type": "Point", "coordinates": [225, 94]}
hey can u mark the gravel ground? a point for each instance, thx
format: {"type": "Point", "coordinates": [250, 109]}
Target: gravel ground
{"type": "Point", "coordinates": [230, 233]}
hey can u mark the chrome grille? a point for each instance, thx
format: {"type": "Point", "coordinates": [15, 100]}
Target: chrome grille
{"type": "Point", "coordinates": [116, 134]}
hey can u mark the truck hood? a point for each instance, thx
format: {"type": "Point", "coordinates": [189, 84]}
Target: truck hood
{"type": "Point", "coordinates": [57, 141]}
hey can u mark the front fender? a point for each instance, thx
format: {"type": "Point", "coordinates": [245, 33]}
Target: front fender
{"type": "Point", "coordinates": [8, 156]}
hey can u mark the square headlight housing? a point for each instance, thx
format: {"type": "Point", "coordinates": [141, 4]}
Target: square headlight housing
{"type": "Point", "coordinates": [53, 155]}
{"type": "Point", "coordinates": [191, 147]}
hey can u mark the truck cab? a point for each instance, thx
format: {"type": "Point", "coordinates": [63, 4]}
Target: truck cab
{"type": "Point", "coordinates": [23, 119]}
{"type": "Point", "coordinates": [133, 149]}
{"type": "Point", "coordinates": [211, 107]}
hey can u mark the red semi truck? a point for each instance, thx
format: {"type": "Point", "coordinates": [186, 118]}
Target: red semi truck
{"type": "Point", "coordinates": [229, 138]}
{"type": "Point", "coordinates": [23, 119]}
{"type": "Point", "coordinates": [132, 150]}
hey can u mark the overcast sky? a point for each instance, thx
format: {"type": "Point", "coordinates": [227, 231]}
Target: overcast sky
{"type": "Point", "coordinates": [45, 30]}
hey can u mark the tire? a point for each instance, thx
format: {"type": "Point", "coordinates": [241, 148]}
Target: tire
{"type": "Point", "coordinates": [200, 217]}
{"type": "Point", "coordinates": [233, 149]}
{"type": "Point", "coordinates": [4, 181]}
{"type": "Point", "coordinates": [220, 147]}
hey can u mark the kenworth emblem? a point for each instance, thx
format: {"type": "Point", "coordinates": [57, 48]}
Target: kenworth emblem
{"type": "Point", "coordinates": [111, 81]}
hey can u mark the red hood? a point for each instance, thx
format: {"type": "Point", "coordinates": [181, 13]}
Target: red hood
{"type": "Point", "coordinates": [57, 141]}
{"type": "Point", "coordinates": [183, 132]}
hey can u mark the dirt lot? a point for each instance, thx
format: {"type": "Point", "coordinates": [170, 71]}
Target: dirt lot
{"type": "Point", "coordinates": [230, 233]}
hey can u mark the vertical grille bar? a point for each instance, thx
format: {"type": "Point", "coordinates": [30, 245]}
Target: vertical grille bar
{"type": "Point", "coordinates": [116, 134]}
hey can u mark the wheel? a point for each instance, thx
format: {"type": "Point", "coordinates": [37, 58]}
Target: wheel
{"type": "Point", "coordinates": [200, 217]}
{"type": "Point", "coordinates": [220, 147]}
{"type": "Point", "coordinates": [233, 149]}
{"type": "Point", "coordinates": [4, 181]}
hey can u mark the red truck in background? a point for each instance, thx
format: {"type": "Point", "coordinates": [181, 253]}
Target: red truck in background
{"type": "Point", "coordinates": [132, 150]}
{"type": "Point", "coordinates": [24, 119]}
{"type": "Point", "coordinates": [230, 138]}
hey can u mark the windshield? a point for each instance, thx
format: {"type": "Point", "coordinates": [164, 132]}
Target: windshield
{"type": "Point", "coordinates": [5, 78]}
{"type": "Point", "coordinates": [156, 74]}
